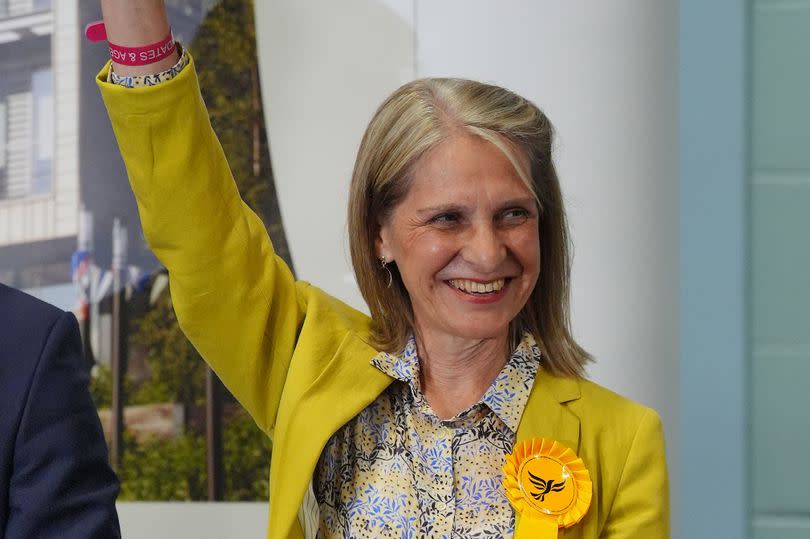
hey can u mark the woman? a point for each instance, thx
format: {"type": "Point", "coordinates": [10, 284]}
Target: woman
{"type": "Point", "coordinates": [402, 424]}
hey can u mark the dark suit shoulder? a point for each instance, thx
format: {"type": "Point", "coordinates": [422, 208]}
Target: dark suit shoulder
{"type": "Point", "coordinates": [17, 305]}
{"type": "Point", "coordinates": [26, 325]}
{"type": "Point", "coordinates": [52, 452]}
{"type": "Point", "coordinates": [21, 311]}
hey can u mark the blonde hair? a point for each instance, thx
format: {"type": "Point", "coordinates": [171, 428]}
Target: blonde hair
{"type": "Point", "coordinates": [416, 118]}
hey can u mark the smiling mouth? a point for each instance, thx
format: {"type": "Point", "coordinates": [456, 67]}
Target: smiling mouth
{"type": "Point", "coordinates": [478, 288]}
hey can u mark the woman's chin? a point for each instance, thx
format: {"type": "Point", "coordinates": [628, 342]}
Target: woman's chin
{"type": "Point", "coordinates": [480, 332]}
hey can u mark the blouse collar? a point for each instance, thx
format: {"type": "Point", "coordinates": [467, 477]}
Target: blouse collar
{"type": "Point", "coordinates": [506, 396]}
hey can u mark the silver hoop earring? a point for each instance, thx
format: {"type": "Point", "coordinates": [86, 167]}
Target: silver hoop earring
{"type": "Point", "coordinates": [384, 265]}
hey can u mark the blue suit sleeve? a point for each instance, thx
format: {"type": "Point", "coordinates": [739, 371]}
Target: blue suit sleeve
{"type": "Point", "coordinates": [61, 484]}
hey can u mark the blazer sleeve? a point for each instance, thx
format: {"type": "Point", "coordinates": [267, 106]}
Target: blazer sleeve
{"type": "Point", "coordinates": [641, 505]}
{"type": "Point", "coordinates": [61, 485]}
{"type": "Point", "coordinates": [235, 300]}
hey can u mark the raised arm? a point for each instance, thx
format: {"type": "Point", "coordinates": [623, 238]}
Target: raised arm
{"type": "Point", "coordinates": [236, 301]}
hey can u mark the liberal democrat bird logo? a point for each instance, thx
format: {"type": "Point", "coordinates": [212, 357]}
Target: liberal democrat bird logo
{"type": "Point", "coordinates": [545, 486]}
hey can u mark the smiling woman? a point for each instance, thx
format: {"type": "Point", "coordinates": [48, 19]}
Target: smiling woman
{"type": "Point", "coordinates": [426, 418]}
{"type": "Point", "coordinates": [451, 158]}
{"type": "Point", "coordinates": [456, 190]}
{"type": "Point", "coordinates": [465, 241]}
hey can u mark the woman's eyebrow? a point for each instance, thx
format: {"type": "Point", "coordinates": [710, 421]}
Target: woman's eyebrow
{"type": "Point", "coordinates": [442, 208]}
{"type": "Point", "coordinates": [529, 202]}
{"type": "Point", "coordinates": [459, 208]}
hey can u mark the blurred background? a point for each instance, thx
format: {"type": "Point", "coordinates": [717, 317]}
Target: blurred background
{"type": "Point", "coordinates": [682, 148]}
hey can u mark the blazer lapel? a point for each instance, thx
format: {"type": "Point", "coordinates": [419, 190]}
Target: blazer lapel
{"type": "Point", "coordinates": [546, 414]}
{"type": "Point", "coordinates": [347, 385]}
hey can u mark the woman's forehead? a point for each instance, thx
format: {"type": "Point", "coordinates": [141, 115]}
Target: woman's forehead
{"type": "Point", "coordinates": [466, 165]}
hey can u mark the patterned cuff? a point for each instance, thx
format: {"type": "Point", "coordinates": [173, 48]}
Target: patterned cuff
{"type": "Point", "coordinates": [151, 80]}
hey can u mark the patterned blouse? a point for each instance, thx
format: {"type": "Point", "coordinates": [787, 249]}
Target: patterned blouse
{"type": "Point", "coordinates": [398, 471]}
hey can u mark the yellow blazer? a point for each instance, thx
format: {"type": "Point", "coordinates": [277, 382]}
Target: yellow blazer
{"type": "Point", "coordinates": [298, 359]}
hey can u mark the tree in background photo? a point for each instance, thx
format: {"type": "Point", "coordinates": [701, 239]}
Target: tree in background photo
{"type": "Point", "coordinates": [164, 451]}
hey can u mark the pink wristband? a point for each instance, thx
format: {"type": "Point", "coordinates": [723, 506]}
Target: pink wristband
{"type": "Point", "coordinates": [139, 56]}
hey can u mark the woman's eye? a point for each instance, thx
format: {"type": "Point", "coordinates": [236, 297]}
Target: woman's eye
{"type": "Point", "coordinates": [444, 218]}
{"type": "Point", "coordinates": [515, 214]}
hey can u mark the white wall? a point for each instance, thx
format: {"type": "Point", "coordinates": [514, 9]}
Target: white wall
{"type": "Point", "coordinates": [325, 67]}
{"type": "Point", "coordinates": [605, 73]}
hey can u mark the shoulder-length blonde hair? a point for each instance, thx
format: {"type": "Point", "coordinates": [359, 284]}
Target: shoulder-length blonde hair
{"type": "Point", "coordinates": [414, 119]}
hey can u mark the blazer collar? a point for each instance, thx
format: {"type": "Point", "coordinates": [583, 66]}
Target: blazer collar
{"type": "Point", "coordinates": [346, 386]}
{"type": "Point", "coordinates": [547, 414]}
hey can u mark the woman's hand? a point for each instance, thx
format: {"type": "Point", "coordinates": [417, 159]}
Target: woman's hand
{"type": "Point", "coordinates": [135, 23]}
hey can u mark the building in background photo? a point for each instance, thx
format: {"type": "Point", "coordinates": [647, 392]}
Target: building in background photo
{"type": "Point", "coordinates": [70, 234]}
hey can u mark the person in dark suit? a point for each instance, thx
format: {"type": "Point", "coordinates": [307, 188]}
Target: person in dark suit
{"type": "Point", "coordinates": [55, 480]}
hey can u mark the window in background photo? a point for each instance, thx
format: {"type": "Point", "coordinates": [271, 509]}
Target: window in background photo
{"type": "Point", "coordinates": [42, 131]}
{"type": "Point", "coordinates": [14, 8]}
{"type": "Point", "coordinates": [27, 138]}
{"type": "Point", "coordinates": [26, 101]}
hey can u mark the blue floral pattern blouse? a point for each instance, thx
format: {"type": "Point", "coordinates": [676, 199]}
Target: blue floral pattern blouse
{"type": "Point", "coordinates": [398, 471]}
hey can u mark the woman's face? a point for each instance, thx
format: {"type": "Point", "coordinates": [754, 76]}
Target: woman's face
{"type": "Point", "coordinates": [465, 241]}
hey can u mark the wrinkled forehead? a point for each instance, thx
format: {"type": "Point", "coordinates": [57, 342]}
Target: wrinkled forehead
{"type": "Point", "coordinates": [466, 154]}
{"type": "Point", "coordinates": [467, 171]}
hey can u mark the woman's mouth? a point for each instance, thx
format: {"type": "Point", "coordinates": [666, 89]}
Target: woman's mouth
{"type": "Point", "coordinates": [478, 288]}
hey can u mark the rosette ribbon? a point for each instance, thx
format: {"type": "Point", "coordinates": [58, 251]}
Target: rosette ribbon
{"type": "Point", "coordinates": [549, 487]}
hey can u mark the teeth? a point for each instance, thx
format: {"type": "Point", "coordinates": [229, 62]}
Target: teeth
{"type": "Point", "coordinates": [478, 288]}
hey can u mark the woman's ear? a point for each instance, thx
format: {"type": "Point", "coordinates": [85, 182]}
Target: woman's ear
{"type": "Point", "coordinates": [382, 242]}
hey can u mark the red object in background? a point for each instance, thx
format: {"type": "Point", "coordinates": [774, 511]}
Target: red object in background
{"type": "Point", "coordinates": [96, 31]}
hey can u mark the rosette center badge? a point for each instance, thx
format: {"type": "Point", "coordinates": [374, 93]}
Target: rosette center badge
{"type": "Point", "coordinates": [547, 485]}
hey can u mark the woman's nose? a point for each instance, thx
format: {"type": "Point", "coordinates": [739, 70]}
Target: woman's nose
{"type": "Point", "coordinates": [484, 249]}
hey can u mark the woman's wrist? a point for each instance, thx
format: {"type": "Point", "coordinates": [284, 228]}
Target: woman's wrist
{"type": "Point", "coordinates": [137, 81]}
{"type": "Point", "coordinates": [137, 23]}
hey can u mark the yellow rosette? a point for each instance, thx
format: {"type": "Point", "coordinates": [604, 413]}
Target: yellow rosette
{"type": "Point", "coordinates": [549, 487]}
